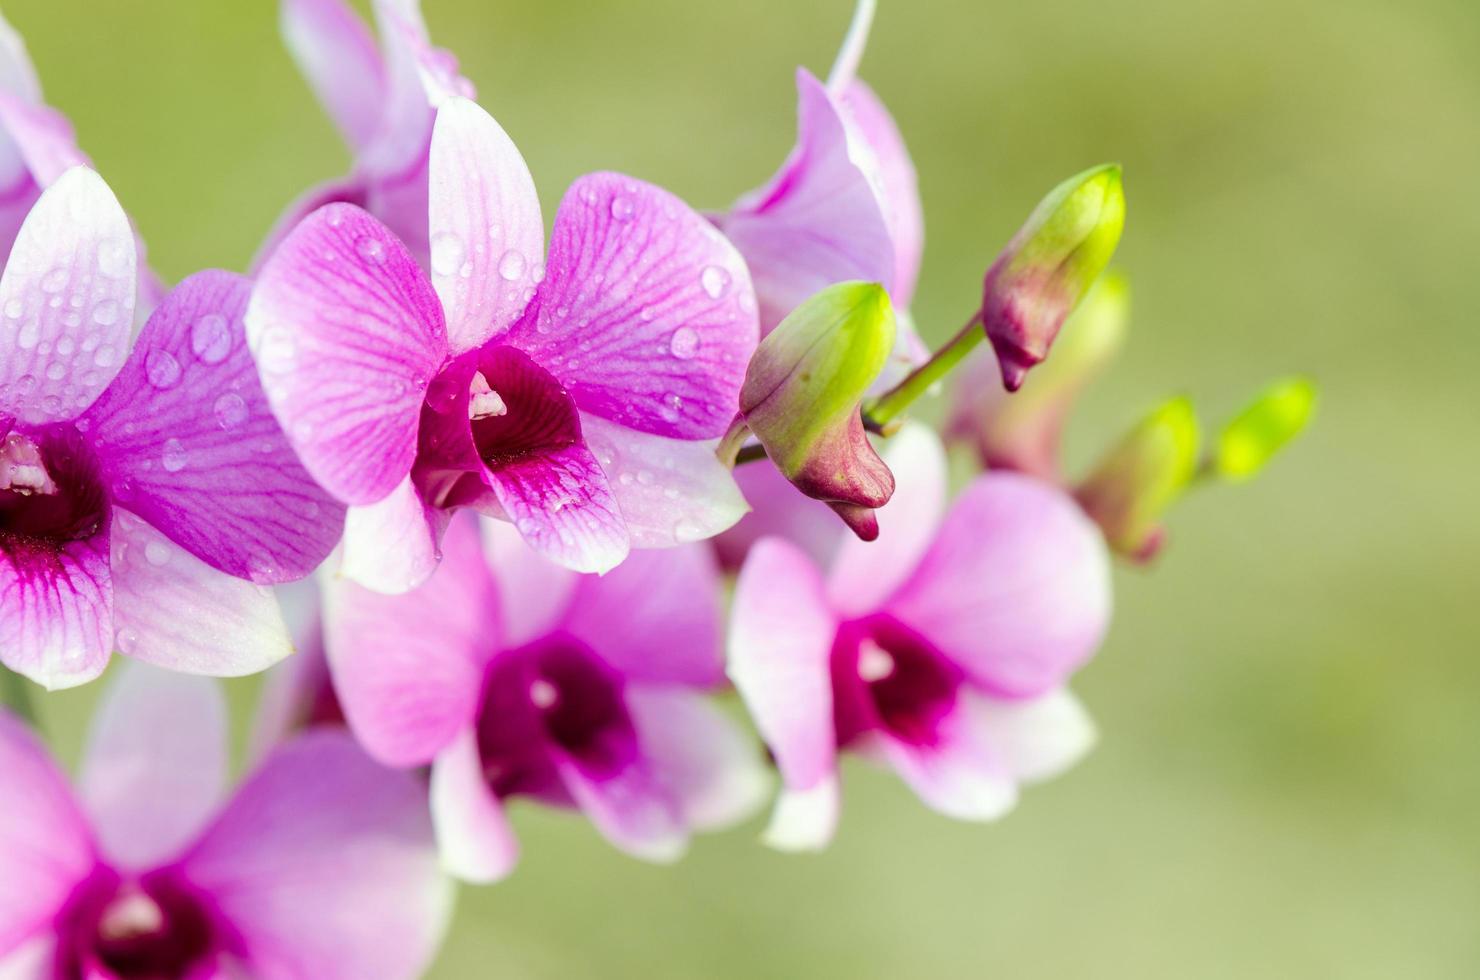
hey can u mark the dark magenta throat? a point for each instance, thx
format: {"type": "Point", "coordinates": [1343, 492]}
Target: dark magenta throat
{"type": "Point", "coordinates": [887, 678]}
{"type": "Point", "coordinates": [51, 491]}
{"type": "Point", "coordinates": [517, 410]}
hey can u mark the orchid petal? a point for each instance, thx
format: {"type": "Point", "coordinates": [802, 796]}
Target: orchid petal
{"type": "Point", "coordinates": [43, 138]}
{"type": "Point", "coordinates": [632, 808]}
{"type": "Point", "coordinates": [646, 312]}
{"type": "Point", "coordinates": [865, 574]}
{"type": "Point", "coordinates": [191, 446]}
{"type": "Point", "coordinates": [1038, 738]}
{"type": "Point", "coordinates": [563, 506]}
{"type": "Point", "coordinates": [324, 864]}
{"type": "Point", "coordinates": [347, 333]}
{"type": "Point", "coordinates": [961, 775]}
{"type": "Point", "coordinates": [778, 510]}
{"type": "Point", "coordinates": [897, 182]}
{"type": "Point", "coordinates": [67, 295]}
{"type": "Point", "coordinates": [408, 668]}
{"type": "Point", "coordinates": [673, 594]}
{"type": "Point", "coordinates": [805, 819]}
{"type": "Point", "coordinates": [707, 760]}
{"type": "Point", "coordinates": [474, 838]}
{"type": "Point", "coordinates": [338, 57]}
{"type": "Point", "coordinates": [392, 546]}
{"type": "Point", "coordinates": [820, 220]}
{"type": "Point", "coordinates": [780, 643]}
{"type": "Point", "coordinates": [534, 592]}
{"type": "Point", "coordinates": [173, 610]}
{"type": "Point", "coordinates": [17, 73]}
{"type": "Point", "coordinates": [670, 491]}
{"type": "Point", "coordinates": [487, 235]}
{"type": "Point", "coordinates": [155, 767]}
{"type": "Point", "coordinates": [45, 845]}
{"type": "Point", "coordinates": [1015, 587]}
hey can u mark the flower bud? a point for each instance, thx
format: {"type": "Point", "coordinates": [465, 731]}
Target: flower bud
{"type": "Point", "coordinates": [1049, 265]}
{"type": "Point", "coordinates": [1278, 414]}
{"type": "Point", "coordinates": [802, 392]}
{"type": "Point", "coordinates": [1139, 479]}
{"type": "Point", "coordinates": [1023, 431]}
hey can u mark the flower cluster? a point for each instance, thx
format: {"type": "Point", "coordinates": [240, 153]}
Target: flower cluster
{"type": "Point", "coordinates": [562, 494]}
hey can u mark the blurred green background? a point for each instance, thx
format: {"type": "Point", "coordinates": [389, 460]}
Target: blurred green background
{"type": "Point", "coordinates": [1289, 778]}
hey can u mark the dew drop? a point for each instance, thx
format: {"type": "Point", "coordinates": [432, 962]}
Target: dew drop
{"type": "Point", "coordinates": [103, 356]}
{"type": "Point", "coordinates": [687, 530]}
{"type": "Point", "coordinates": [105, 314]}
{"type": "Point", "coordinates": [173, 459]}
{"type": "Point", "coordinates": [113, 258]}
{"type": "Point", "coordinates": [157, 553]}
{"type": "Point", "coordinates": [716, 281]}
{"type": "Point", "coordinates": [161, 368]}
{"type": "Point", "coordinates": [370, 249]}
{"type": "Point", "coordinates": [447, 253]}
{"type": "Point", "coordinates": [14, 308]}
{"type": "Point", "coordinates": [54, 281]}
{"type": "Point", "coordinates": [126, 640]}
{"type": "Point", "coordinates": [29, 334]}
{"type": "Point", "coordinates": [683, 343]}
{"type": "Point", "coordinates": [210, 338]}
{"type": "Point", "coordinates": [231, 410]}
{"type": "Point", "coordinates": [56, 370]}
{"type": "Point", "coordinates": [622, 208]}
{"type": "Point", "coordinates": [512, 265]}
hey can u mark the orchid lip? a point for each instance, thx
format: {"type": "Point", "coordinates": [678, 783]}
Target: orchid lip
{"type": "Point", "coordinates": [886, 678]}
{"type": "Point", "coordinates": [51, 493]}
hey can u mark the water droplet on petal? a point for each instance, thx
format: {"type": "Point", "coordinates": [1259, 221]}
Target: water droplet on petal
{"type": "Point", "coordinates": [622, 208]}
{"type": "Point", "coordinates": [113, 257]}
{"type": "Point", "coordinates": [14, 308]}
{"type": "Point", "coordinates": [687, 530]}
{"type": "Point", "coordinates": [210, 338]}
{"type": "Point", "coordinates": [683, 343]}
{"type": "Point", "coordinates": [104, 356]}
{"type": "Point", "coordinates": [54, 281]}
{"type": "Point", "coordinates": [512, 265]}
{"type": "Point", "coordinates": [173, 459]}
{"type": "Point", "coordinates": [105, 314]}
{"type": "Point", "coordinates": [161, 368]}
{"type": "Point", "coordinates": [157, 553]}
{"type": "Point", "coordinates": [126, 640]}
{"type": "Point", "coordinates": [447, 253]}
{"type": "Point", "coordinates": [715, 281]}
{"type": "Point", "coordinates": [56, 370]}
{"type": "Point", "coordinates": [370, 249]}
{"type": "Point", "coordinates": [29, 334]}
{"type": "Point", "coordinates": [231, 410]}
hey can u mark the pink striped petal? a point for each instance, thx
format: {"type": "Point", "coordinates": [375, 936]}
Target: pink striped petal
{"type": "Point", "coordinates": [778, 510]}
{"type": "Point", "coordinates": [392, 546]}
{"type": "Point", "coordinates": [155, 767]}
{"type": "Point", "coordinates": [190, 445]}
{"type": "Point", "coordinates": [646, 313]}
{"type": "Point", "coordinates": [899, 186]}
{"type": "Point", "coordinates": [474, 838]}
{"type": "Point", "coordinates": [173, 610]}
{"type": "Point", "coordinates": [324, 863]}
{"type": "Point", "coordinates": [67, 298]}
{"type": "Point", "coordinates": [487, 235]}
{"type": "Point", "coordinates": [46, 848]}
{"type": "Point", "coordinates": [780, 642]}
{"type": "Point", "coordinates": [673, 594]}
{"type": "Point", "coordinates": [338, 57]}
{"type": "Point", "coordinates": [347, 334]}
{"type": "Point", "coordinates": [1015, 587]}
{"type": "Point", "coordinates": [534, 592]}
{"type": "Point", "coordinates": [562, 505]}
{"type": "Point", "coordinates": [408, 668]}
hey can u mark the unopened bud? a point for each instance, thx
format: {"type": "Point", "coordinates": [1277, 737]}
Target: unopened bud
{"type": "Point", "coordinates": [1277, 415]}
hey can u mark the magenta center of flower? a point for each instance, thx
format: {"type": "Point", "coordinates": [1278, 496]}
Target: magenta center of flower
{"type": "Point", "coordinates": [553, 700]}
{"type": "Point", "coordinates": [151, 928]}
{"type": "Point", "coordinates": [887, 677]}
{"type": "Point", "coordinates": [517, 410]}
{"type": "Point", "coordinates": [50, 492]}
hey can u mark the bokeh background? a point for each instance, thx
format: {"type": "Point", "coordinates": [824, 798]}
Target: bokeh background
{"type": "Point", "coordinates": [1287, 783]}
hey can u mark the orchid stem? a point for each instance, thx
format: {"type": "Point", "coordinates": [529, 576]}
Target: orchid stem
{"type": "Point", "coordinates": [880, 412]}
{"type": "Point", "coordinates": [15, 694]}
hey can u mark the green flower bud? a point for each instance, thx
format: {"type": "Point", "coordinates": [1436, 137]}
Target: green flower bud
{"type": "Point", "coordinates": [1277, 415]}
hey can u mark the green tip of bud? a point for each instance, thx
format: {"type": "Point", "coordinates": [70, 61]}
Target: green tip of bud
{"type": "Point", "coordinates": [1142, 476]}
{"type": "Point", "coordinates": [1050, 265]}
{"type": "Point", "coordinates": [1267, 424]}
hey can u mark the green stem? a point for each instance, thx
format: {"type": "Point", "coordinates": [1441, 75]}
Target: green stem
{"type": "Point", "coordinates": [879, 412]}
{"type": "Point", "coordinates": [15, 694]}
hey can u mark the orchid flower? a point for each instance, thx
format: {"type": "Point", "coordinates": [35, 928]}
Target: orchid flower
{"type": "Point", "coordinates": [144, 503]}
{"type": "Point", "coordinates": [515, 677]}
{"type": "Point", "coordinates": [321, 864]}
{"type": "Point", "coordinates": [38, 145]}
{"type": "Point", "coordinates": [379, 101]}
{"type": "Point", "coordinates": [575, 400]}
{"type": "Point", "coordinates": [844, 206]}
{"type": "Point", "coordinates": [941, 650]}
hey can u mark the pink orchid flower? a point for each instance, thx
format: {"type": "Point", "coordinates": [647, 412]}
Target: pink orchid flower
{"type": "Point", "coordinates": [942, 649]}
{"type": "Point", "coordinates": [379, 100]}
{"type": "Point", "coordinates": [321, 865]}
{"type": "Point", "coordinates": [844, 206]}
{"type": "Point", "coordinates": [515, 677]}
{"type": "Point", "coordinates": [142, 502]}
{"type": "Point", "coordinates": [578, 400]}
{"type": "Point", "coordinates": [38, 145]}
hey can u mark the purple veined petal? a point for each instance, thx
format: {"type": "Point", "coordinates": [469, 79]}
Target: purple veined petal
{"type": "Point", "coordinates": [780, 642]}
{"type": "Point", "coordinates": [709, 762]}
{"type": "Point", "coordinates": [961, 775]}
{"type": "Point", "coordinates": [347, 335]}
{"type": "Point", "coordinates": [173, 610]}
{"type": "Point", "coordinates": [820, 220]}
{"type": "Point", "coordinates": [337, 55]}
{"type": "Point", "coordinates": [646, 313]}
{"type": "Point", "coordinates": [864, 574]}
{"type": "Point", "coordinates": [632, 808]}
{"type": "Point", "coordinates": [670, 491]}
{"type": "Point", "coordinates": [190, 445]}
{"type": "Point", "coordinates": [899, 184]}
{"type": "Point", "coordinates": [655, 617]}
{"type": "Point", "coordinates": [1038, 738]}
{"type": "Point", "coordinates": [46, 847]}
{"type": "Point", "coordinates": [487, 235]}
{"type": "Point", "coordinates": [408, 668]}
{"type": "Point", "coordinates": [474, 838]}
{"type": "Point", "coordinates": [805, 819]}
{"type": "Point", "coordinates": [562, 505]}
{"type": "Point", "coordinates": [401, 202]}
{"type": "Point", "coordinates": [56, 591]}
{"type": "Point", "coordinates": [154, 771]}
{"type": "Point", "coordinates": [777, 509]}
{"type": "Point", "coordinates": [324, 863]}
{"type": "Point", "coordinates": [67, 298]}
{"type": "Point", "coordinates": [1015, 587]}
{"type": "Point", "coordinates": [392, 546]}
{"type": "Point", "coordinates": [534, 592]}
